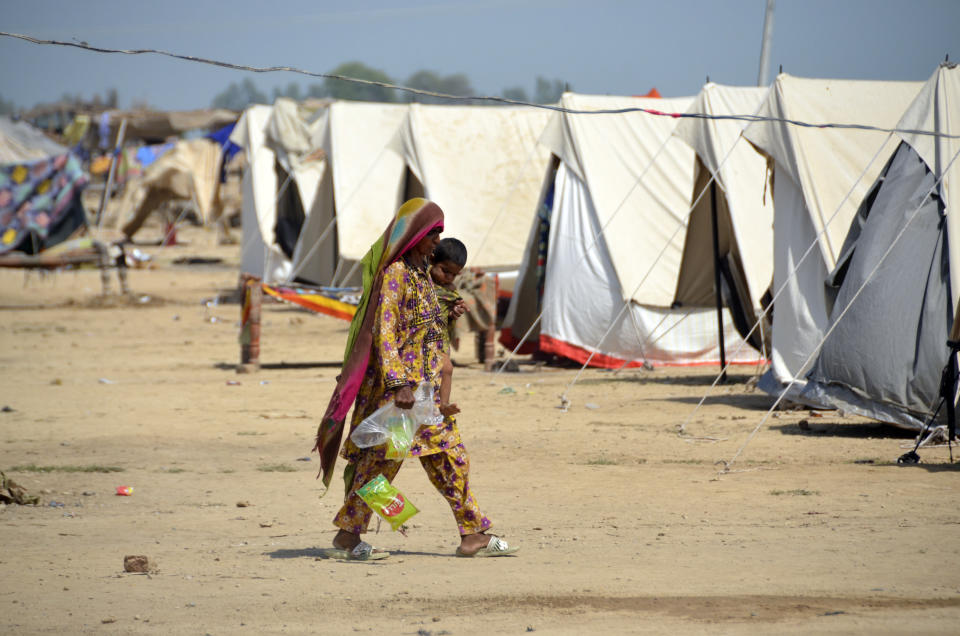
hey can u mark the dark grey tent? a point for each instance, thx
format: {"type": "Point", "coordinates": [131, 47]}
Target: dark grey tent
{"type": "Point", "coordinates": [893, 303]}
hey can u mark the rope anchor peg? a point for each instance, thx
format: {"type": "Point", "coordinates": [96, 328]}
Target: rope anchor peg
{"type": "Point", "coordinates": [908, 459]}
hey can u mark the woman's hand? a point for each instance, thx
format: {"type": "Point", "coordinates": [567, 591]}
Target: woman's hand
{"type": "Point", "coordinates": [459, 308]}
{"type": "Point", "coordinates": [403, 398]}
{"type": "Point", "coordinates": [447, 410]}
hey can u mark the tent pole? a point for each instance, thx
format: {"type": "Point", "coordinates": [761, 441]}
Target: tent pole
{"type": "Point", "coordinates": [765, 44]}
{"type": "Point", "coordinates": [717, 291]}
{"type": "Point", "coordinates": [110, 173]}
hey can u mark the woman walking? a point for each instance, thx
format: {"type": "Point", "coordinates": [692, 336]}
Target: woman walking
{"type": "Point", "coordinates": [395, 343]}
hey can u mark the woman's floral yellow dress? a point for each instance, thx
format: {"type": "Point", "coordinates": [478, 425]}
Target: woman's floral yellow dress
{"type": "Point", "coordinates": [408, 349]}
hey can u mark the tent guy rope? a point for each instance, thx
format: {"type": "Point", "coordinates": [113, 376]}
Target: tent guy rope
{"type": "Point", "coordinates": [595, 241]}
{"type": "Point", "coordinates": [564, 400]}
{"type": "Point", "coordinates": [790, 276]}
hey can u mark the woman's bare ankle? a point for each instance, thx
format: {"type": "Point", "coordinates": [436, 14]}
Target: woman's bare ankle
{"type": "Point", "coordinates": [471, 543]}
{"type": "Point", "coordinates": [346, 540]}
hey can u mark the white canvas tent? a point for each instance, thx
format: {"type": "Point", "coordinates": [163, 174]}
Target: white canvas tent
{"type": "Point", "coordinates": [363, 188]}
{"type": "Point", "coordinates": [742, 197]}
{"type": "Point", "coordinates": [895, 279]}
{"type": "Point", "coordinates": [189, 171]}
{"type": "Point", "coordinates": [625, 178]}
{"type": "Point", "coordinates": [280, 183]}
{"type": "Point", "coordinates": [819, 174]}
{"type": "Point", "coordinates": [20, 142]}
{"type": "Point", "coordinates": [484, 167]}
{"type": "Point", "coordinates": [481, 164]}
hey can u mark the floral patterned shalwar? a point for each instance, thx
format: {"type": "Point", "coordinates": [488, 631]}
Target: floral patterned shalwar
{"type": "Point", "coordinates": [408, 349]}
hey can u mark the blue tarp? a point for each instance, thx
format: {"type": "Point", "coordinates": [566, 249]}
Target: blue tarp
{"type": "Point", "coordinates": [148, 154]}
{"type": "Point", "coordinates": [222, 137]}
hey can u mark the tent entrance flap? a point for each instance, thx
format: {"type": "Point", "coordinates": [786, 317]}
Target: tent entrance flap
{"type": "Point", "coordinates": [890, 319]}
{"type": "Point", "coordinates": [695, 282]}
{"type": "Point", "coordinates": [412, 188]}
{"type": "Point", "coordinates": [290, 215]}
{"type": "Point", "coordinates": [527, 300]}
{"type": "Point", "coordinates": [315, 256]}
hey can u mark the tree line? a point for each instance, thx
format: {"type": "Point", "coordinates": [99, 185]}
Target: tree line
{"type": "Point", "coordinates": [239, 95]}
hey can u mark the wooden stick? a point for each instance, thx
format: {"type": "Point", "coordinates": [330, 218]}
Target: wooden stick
{"type": "Point", "coordinates": [250, 324]}
{"type": "Point", "coordinates": [112, 171]}
{"type": "Point", "coordinates": [490, 336]}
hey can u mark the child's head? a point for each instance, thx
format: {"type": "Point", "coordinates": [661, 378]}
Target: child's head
{"type": "Point", "coordinates": [449, 257]}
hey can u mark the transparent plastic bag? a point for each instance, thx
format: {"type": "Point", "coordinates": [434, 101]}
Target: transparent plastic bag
{"type": "Point", "coordinates": [397, 427]}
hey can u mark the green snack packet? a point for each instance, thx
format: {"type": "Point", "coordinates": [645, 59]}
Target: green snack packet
{"type": "Point", "coordinates": [385, 500]}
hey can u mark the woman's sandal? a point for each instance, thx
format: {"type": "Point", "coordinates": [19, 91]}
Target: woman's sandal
{"type": "Point", "coordinates": [494, 548]}
{"type": "Point", "coordinates": [363, 551]}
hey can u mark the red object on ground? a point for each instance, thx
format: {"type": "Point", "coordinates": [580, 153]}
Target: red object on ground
{"type": "Point", "coordinates": [124, 491]}
{"type": "Point", "coordinates": [170, 235]}
{"type": "Point", "coordinates": [508, 341]}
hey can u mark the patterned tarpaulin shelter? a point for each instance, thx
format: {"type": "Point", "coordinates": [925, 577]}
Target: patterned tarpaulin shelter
{"type": "Point", "coordinates": [40, 203]}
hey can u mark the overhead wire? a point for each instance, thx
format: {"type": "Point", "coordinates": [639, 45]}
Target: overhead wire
{"type": "Point", "coordinates": [462, 98]}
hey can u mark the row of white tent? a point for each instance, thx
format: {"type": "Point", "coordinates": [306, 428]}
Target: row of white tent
{"type": "Point", "coordinates": [611, 217]}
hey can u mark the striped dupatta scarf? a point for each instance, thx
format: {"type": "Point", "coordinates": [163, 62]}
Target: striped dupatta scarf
{"type": "Point", "coordinates": [413, 221]}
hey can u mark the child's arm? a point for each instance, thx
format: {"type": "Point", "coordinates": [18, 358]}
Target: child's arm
{"type": "Point", "coordinates": [446, 386]}
{"type": "Point", "coordinates": [458, 309]}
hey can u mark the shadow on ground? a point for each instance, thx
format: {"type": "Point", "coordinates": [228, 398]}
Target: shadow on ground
{"type": "Point", "coordinates": [933, 468]}
{"type": "Point", "coordinates": [323, 553]}
{"type": "Point", "coordinates": [748, 401]}
{"type": "Point", "coordinates": [844, 429]}
{"type": "Point", "coordinates": [329, 364]}
{"type": "Point", "coordinates": [658, 377]}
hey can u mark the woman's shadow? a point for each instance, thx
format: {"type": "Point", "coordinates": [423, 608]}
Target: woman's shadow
{"type": "Point", "coordinates": [324, 553]}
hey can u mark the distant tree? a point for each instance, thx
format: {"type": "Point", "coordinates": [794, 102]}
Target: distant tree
{"type": "Point", "coordinates": [239, 96]}
{"type": "Point", "coordinates": [342, 89]}
{"type": "Point", "coordinates": [113, 98]}
{"type": "Point", "coordinates": [423, 80]}
{"type": "Point", "coordinates": [457, 84]}
{"type": "Point", "coordinates": [516, 93]}
{"type": "Point", "coordinates": [317, 90]}
{"type": "Point", "coordinates": [6, 107]}
{"type": "Point", "coordinates": [293, 91]}
{"type": "Point", "coordinates": [548, 91]}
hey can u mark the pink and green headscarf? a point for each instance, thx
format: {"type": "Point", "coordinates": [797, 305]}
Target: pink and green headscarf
{"type": "Point", "coordinates": [413, 221]}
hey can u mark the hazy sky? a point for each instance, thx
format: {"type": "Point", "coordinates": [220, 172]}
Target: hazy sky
{"type": "Point", "coordinates": [597, 46]}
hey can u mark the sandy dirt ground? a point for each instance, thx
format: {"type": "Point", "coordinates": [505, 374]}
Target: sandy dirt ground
{"type": "Point", "coordinates": [625, 526]}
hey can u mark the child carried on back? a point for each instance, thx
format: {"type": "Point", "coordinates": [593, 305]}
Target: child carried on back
{"type": "Point", "coordinates": [449, 257]}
